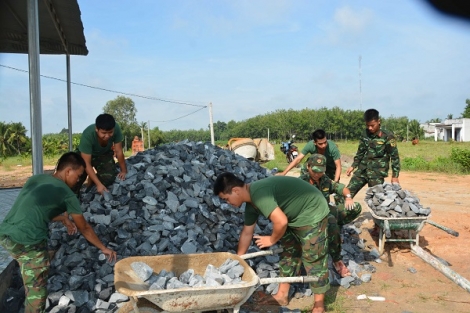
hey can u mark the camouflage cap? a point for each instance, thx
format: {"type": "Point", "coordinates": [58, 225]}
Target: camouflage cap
{"type": "Point", "coordinates": [317, 162]}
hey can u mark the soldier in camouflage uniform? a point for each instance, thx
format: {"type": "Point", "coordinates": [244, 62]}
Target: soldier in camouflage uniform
{"type": "Point", "coordinates": [298, 213]}
{"type": "Point", "coordinates": [98, 145]}
{"type": "Point", "coordinates": [344, 212]}
{"type": "Point", "coordinates": [377, 148]}
{"type": "Point", "coordinates": [24, 231]}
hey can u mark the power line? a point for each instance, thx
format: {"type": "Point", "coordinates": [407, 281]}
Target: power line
{"type": "Point", "coordinates": [180, 116]}
{"type": "Point", "coordinates": [114, 91]}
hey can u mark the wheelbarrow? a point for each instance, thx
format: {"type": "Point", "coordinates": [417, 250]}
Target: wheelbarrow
{"type": "Point", "coordinates": [190, 299]}
{"type": "Point", "coordinates": [415, 223]}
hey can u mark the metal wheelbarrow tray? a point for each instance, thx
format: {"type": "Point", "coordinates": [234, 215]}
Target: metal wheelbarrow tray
{"type": "Point", "coordinates": [192, 299]}
{"type": "Point", "coordinates": [386, 225]}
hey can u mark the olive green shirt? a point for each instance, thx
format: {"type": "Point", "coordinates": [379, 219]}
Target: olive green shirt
{"type": "Point", "coordinates": [331, 154]}
{"type": "Point", "coordinates": [89, 143]}
{"type": "Point", "coordinates": [302, 203]}
{"type": "Point", "coordinates": [42, 198]}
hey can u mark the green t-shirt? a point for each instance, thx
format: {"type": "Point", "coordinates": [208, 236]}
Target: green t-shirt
{"type": "Point", "coordinates": [42, 198]}
{"type": "Point", "coordinates": [89, 141]}
{"type": "Point", "coordinates": [302, 203]}
{"type": "Point", "coordinates": [331, 154]}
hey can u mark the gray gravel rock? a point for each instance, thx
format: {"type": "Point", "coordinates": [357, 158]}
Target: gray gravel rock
{"type": "Point", "coordinates": [390, 201]}
{"type": "Point", "coordinates": [166, 206]}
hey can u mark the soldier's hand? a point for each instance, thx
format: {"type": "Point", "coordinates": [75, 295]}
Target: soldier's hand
{"type": "Point", "coordinates": [71, 227]}
{"type": "Point", "coordinates": [263, 241]}
{"type": "Point", "coordinates": [121, 175]}
{"type": "Point", "coordinates": [349, 204]}
{"type": "Point", "coordinates": [349, 171]}
{"type": "Point", "coordinates": [101, 188]}
{"type": "Point", "coordinates": [111, 254]}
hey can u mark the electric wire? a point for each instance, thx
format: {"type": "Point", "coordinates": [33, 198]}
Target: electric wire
{"type": "Point", "coordinates": [118, 92]}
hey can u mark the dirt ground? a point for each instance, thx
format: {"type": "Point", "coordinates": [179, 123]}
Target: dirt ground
{"type": "Point", "coordinates": [427, 290]}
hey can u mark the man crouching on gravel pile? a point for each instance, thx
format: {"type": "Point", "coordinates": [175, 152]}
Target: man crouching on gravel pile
{"type": "Point", "coordinates": [298, 212]}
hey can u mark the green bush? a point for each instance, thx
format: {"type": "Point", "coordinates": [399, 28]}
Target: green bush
{"type": "Point", "coordinates": [462, 157]}
{"type": "Point", "coordinates": [414, 164]}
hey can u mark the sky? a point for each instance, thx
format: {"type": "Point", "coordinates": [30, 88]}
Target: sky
{"type": "Point", "coordinates": [248, 58]}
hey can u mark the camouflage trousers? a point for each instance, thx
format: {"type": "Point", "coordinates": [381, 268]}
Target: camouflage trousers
{"type": "Point", "coordinates": [361, 178]}
{"type": "Point", "coordinates": [34, 265]}
{"type": "Point", "coordinates": [338, 217]}
{"type": "Point", "coordinates": [105, 167]}
{"type": "Point", "coordinates": [307, 246]}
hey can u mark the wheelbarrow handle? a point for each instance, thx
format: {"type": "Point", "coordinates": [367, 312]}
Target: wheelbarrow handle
{"type": "Point", "coordinates": [444, 228]}
{"type": "Point", "coordinates": [261, 253]}
{"type": "Point", "coordinates": [299, 279]}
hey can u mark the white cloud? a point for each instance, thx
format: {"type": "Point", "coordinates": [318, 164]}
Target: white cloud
{"type": "Point", "coordinates": [353, 21]}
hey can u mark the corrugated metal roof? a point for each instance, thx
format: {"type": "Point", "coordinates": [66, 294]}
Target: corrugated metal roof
{"type": "Point", "coordinates": [59, 23]}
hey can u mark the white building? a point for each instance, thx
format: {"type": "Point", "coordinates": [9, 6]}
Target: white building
{"type": "Point", "coordinates": [457, 129]}
{"type": "Point", "coordinates": [430, 129]}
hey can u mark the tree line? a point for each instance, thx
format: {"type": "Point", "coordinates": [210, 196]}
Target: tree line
{"type": "Point", "coordinates": [280, 125]}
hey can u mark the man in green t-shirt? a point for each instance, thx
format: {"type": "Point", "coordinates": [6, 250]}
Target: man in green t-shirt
{"type": "Point", "coordinates": [320, 145]}
{"type": "Point", "coordinates": [298, 213]}
{"type": "Point", "coordinates": [25, 229]}
{"type": "Point", "coordinates": [98, 144]}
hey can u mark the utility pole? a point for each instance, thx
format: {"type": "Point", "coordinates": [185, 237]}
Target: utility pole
{"type": "Point", "coordinates": [148, 132]}
{"type": "Point", "coordinates": [360, 83]}
{"type": "Point", "coordinates": [142, 132]}
{"type": "Point", "coordinates": [211, 124]}
{"type": "Point", "coordinates": [406, 130]}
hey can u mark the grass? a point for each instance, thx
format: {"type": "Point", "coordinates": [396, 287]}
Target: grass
{"type": "Point", "coordinates": [8, 164]}
{"type": "Point", "coordinates": [427, 156]}
{"type": "Point", "coordinates": [334, 302]}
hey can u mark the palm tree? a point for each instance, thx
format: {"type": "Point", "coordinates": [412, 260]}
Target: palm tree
{"type": "Point", "coordinates": [415, 129]}
{"type": "Point", "coordinates": [5, 146]}
{"type": "Point", "coordinates": [17, 136]}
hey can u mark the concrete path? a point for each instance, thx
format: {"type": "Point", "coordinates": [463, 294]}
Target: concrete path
{"type": "Point", "coordinates": [7, 198]}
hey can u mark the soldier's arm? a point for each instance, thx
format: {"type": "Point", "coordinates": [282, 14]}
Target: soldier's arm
{"type": "Point", "coordinates": [361, 150]}
{"type": "Point", "coordinates": [91, 173]}
{"type": "Point", "coordinates": [338, 170]}
{"type": "Point", "coordinates": [394, 157]}
{"type": "Point", "coordinates": [293, 164]}
{"type": "Point", "coordinates": [245, 238]}
{"type": "Point", "coordinates": [121, 160]}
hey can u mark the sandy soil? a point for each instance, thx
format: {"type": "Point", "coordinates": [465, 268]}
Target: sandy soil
{"type": "Point", "coordinates": [17, 176]}
{"type": "Point", "coordinates": [427, 290]}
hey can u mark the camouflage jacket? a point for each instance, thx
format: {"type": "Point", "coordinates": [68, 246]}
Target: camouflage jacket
{"type": "Point", "coordinates": [376, 152]}
{"type": "Point", "coordinates": [326, 186]}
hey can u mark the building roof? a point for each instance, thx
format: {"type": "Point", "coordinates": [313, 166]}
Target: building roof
{"type": "Point", "coordinates": [60, 27]}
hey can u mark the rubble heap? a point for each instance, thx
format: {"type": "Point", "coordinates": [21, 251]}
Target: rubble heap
{"type": "Point", "coordinates": [391, 201]}
{"type": "Point", "coordinates": [166, 206]}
